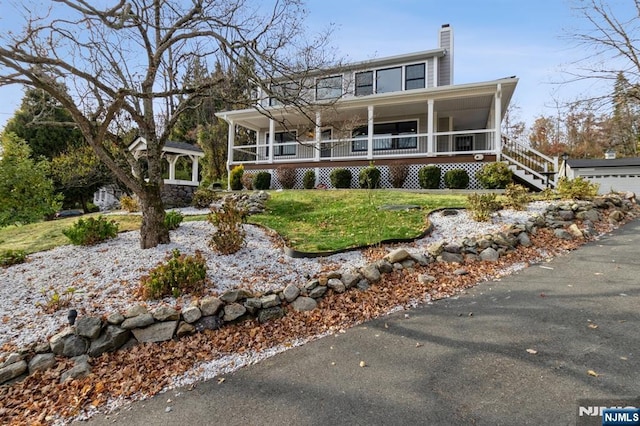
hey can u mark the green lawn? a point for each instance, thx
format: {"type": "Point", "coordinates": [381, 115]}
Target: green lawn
{"type": "Point", "coordinates": [307, 220]}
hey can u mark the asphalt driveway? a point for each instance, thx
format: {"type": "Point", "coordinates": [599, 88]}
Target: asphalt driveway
{"type": "Point", "coordinates": [523, 350]}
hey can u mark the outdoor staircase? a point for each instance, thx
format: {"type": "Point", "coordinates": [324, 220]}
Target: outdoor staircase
{"type": "Point", "coordinates": [528, 165]}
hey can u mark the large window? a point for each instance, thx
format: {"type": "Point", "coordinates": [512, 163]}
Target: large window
{"type": "Point", "coordinates": [414, 77]}
{"type": "Point", "coordinates": [329, 88]}
{"type": "Point", "coordinates": [389, 80]}
{"type": "Point", "coordinates": [281, 93]}
{"type": "Point", "coordinates": [283, 137]}
{"type": "Point", "coordinates": [364, 83]}
{"type": "Point", "coordinates": [391, 141]}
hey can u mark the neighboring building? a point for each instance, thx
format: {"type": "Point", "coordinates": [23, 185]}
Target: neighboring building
{"type": "Point", "coordinates": [614, 174]}
{"type": "Point", "coordinates": [402, 109]}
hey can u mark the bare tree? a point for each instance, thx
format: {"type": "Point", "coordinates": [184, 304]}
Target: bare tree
{"type": "Point", "coordinates": [120, 67]}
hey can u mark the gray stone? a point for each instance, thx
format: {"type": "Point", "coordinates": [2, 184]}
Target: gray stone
{"type": "Point", "coordinates": [158, 332]}
{"type": "Point", "coordinates": [42, 348]}
{"type": "Point", "coordinates": [74, 346]}
{"type": "Point", "coordinates": [318, 292]}
{"type": "Point", "coordinates": [135, 311]}
{"type": "Point", "coordinates": [12, 358]}
{"type": "Point", "coordinates": [191, 314]}
{"type": "Point", "coordinates": [452, 248]}
{"type": "Point", "coordinates": [290, 292]}
{"type": "Point", "coordinates": [210, 306]}
{"type": "Point", "coordinates": [270, 300]}
{"type": "Point", "coordinates": [234, 296]}
{"type": "Point", "coordinates": [42, 362]}
{"type": "Point", "coordinates": [185, 329]}
{"type": "Point", "coordinates": [566, 215]}
{"type": "Point", "coordinates": [445, 256]}
{"type": "Point", "coordinates": [434, 249]}
{"type": "Point", "coordinates": [334, 274]}
{"type": "Point", "coordinates": [311, 284]}
{"type": "Point", "coordinates": [210, 322]}
{"type": "Point", "coordinates": [575, 231]}
{"type": "Point", "coordinates": [420, 258]}
{"type": "Point", "coordinates": [349, 280]}
{"type": "Point", "coordinates": [489, 255]}
{"type": "Point", "coordinates": [384, 266]}
{"type": "Point", "coordinates": [165, 313]}
{"type": "Point", "coordinates": [303, 304]}
{"type": "Point", "coordinates": [484, 242]}
{"type": "Point", "coordinates": [371, 273]}
{"type": "Point", "coordinates": [57, 340]}
{"type": "Point", "coordinates": [79, 370]}
{"type": "Point", "coordinates": [253, 304]}
{"type": "Point", "coordinates": [591, 214]}
{"type": "Point", "coordinates": [269, 314]}
{"type": "Point", "coordinates": [460, 271]}
{"type": "Point", "coordinates": [112, 338]}
{"type": "Point", "coordinates": [524, 240]}
{"type": "Point", "coordinates": [12, 371]}
{"type": "Point", "coordinates": [397, 255]}
{"type": "Point", "coordinates": [89, 327]}
{"type": "Point", "coordinates": [115, 318]}
{"type": "Point", "coordinates": [138, 322]}
{"type": "Point", "coordinates": [336, 285]}
{"type": "Point", "coordinates": [426, 279]}
{"type": "Point", "coordinates": [616, 216]}
{"type": "Point", "coordinates": [363, 285]}
{"type": "Point", "coordinates": [562, 234]}
{"type": "Point", "coordinates": [408, 263]}
{"type": "Point", "coordinates": [233, 311]}
{"type": "Point", "coordinates": [504, 240]}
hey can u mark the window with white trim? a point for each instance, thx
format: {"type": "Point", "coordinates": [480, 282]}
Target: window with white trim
{"type": "Point", "coordinates": [280, 138]}
{"type": "Point", "coordinates": [283, 92]}
{"type": "Point", "coordinates": [392, 141]}
{"type": "Point", "coordinates": [364, 83]}
{"type": "Point", "coordinates": [389, 80]}
{"type": "Point", "coordinates": [329, 88]}
{"type": "Point", "coordinates": [414, 77]}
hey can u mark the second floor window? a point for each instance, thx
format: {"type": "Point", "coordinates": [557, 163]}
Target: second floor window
{"type": "Point", "coordinates": [282, 93]}
{"type": "Point", "coordinates": [389, 80]}
{"type": "Point", "coordinates": [414, 77]}
{"type": "Point", "coordinates": [329, 88]}
{"type": "Point", "coordinates": [364, 83]}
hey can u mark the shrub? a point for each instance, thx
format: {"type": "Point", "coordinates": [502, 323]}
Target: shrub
{"type": "Point", "coordinates": [203, 197]}
{"type": "Point", "coordinates": [369, 178]}
{"type": "Point", "coordinates": [180, 274]}
{"type": "Point", "coordinates": [130, 204]}
{"type": "Point", "coordinates": [235, 177]}
{"type": "Point", "coordinates": [516, 197]}
{"type": "Point", "coordinates": [286, 176]}
{"type": "Point", "coordinates": [309, 179]}
{"type": "Point", "coordinates": [578, 188]}
{"type": "Point", "coordinates": [429, 177]}
{"type": "Point", "coordinates": [398, 174]}
{"type": "Point", "coordinates": [173, 219]}
{"type": "Point", "coordinates": [87, 232]}
{"type": "Point", "coordinates": [262, 181]}
{"type": "Point", "coordinates": [92, 208]}
{"type": "Point", "coordinates": [247, 181]}
{"type": "Point", "coordinates": [482, 205]}
{"type": "Point", "coordinates": [12, 257]}
{"type": "Point", "coordinates": [494, 175]}
{"type": "Point", "coordinates": [229, 236]}
{"type": "Point", "coordinates": [340, 178]}
{"type": "Point", "coordinates": [456, 179]}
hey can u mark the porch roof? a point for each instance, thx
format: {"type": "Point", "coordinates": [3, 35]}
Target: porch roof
{"type": "Point", "coordinates": [475, 99]}
{"type": "Point", "coordinates": [181, 148]}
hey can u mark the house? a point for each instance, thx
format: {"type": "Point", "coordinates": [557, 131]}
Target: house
{"type": "Point", "coordinates": [403, 109]}
{"type": "Point", "coordinates": [181, 174]}
{"type": "Point", "coordinates": [612, 174]}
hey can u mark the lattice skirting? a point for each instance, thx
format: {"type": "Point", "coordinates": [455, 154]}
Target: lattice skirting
{"type": "Point", "coordinates": [322, 175]}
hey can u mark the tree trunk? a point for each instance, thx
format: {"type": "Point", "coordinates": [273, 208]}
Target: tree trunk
{"type": "Point", "coordinates": [152, 231]}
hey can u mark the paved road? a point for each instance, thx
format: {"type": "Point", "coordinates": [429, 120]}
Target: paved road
{"type": "Point", "coordinates": [458, 361]}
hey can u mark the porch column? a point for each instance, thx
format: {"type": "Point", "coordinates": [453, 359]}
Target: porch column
{"type": "Point", "coordinates": [370, 132]}
{"type": "Point", "coordinates": [272, 138]}
{"type": "Point", "coordinates": [498, 121]}
{"type": "Point", "coordinates": [194, 168]}
{"type": "Point", "coordinates": [231, 140]}
{"type": "Point", "coordinates": [318, 135]}
{"type": "Point", "coordinates": [172, 159]}
{"type": "Point", "coordinates": [430, 127]}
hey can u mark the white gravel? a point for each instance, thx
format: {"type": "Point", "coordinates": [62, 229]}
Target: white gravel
{"type": "Point", "coordinates": [105, 277]}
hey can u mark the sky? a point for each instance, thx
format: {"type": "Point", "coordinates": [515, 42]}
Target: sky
{"type": "Point", "coordinates": [492, 39]}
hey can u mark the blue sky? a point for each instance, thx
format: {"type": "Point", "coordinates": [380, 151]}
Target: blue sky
{"type": "Point", "coordinates": [492, 39]}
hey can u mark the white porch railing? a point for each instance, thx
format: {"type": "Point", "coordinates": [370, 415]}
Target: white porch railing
{"type": "Point", "coordinates": [530, 164]}
{"type": "Point", "coordinates": [383, 146]}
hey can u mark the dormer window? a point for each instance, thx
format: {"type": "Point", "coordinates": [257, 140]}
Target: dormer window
{"type": "Point", "coordinates": [329, 88]}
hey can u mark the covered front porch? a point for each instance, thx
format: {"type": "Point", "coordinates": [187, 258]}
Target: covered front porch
{"type": "Point", "coordinates": [435, 122]}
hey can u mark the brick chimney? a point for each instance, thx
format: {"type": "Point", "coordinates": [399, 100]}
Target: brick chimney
{"type": "Point", "coordinates": [445, 64]}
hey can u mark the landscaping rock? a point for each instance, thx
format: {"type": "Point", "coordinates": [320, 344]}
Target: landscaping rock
{"type": "Point", "coordinates": [89, 327]}
{"type": "Point", "coordinates": [115, 318]}
{"type": "Point", "coordinates": [135, 311]}
{"type": "Point", "coordinates": [303, 304]}
{"type": "Point", "coordinates": [384, 267]}
{"type": "Point", "coordinates": [12, 358]}
{"type": "Point", "coordinates": [371, 273]}
{"type": "Point", "coordinates": [42, 348]}
{"type": "Point", "coordinates": [408, 263]}
{"type": "Point", "coordinates": [79, 370]}
{"type": "Point", "coordinates": [234, 296]}
{"type": "Point", "coordinates": [616, 216]}
{"type": "Point", "coordinates": [210, 306]}
{"type": "Point", "coordinates": [489, 255]}
{"type": "Point", "coordinates": [562, 234]}
{"type": "Point", "coordinates": [233, 311]}
{"type": "Point", "coordinates": [74, 345]}
{"type": "Point", "coordinates": [363, 285]}
{"type": "Point", "coordinates": [290, 292]}
{"type": "Point", "coordinates": [138, 321]}
{"type": "Point", "coordinates": [165, 313]}
{"type": "Point", "coordinates": [397, 255]}
{"type": "Point", "coordinates": [426, 279]}
{"type": "Point", "coordinates": [591, 214]}
{"type": "Point", "coordinates": [460, 271]}
{"type": "Point", "coordinates": [311, 284]}
{"type": "Point", "coordinates": [158, 332]}
{"type": "Point", "coordinates": [269, 314]}
{"type": "Point", "coordinates": [12, 371]}
{"type": "Point", "coordinates": [566, 215]}
{"type": "Point", "coordinates": [336, 285]}
{"type": "Point", "coordinates": [434, 249]}
{"type": "Point", "coordinates": [184, 329]}
{"type": "Point", "coordinates": [111, 339]}
{"type": "Point", "coordinates": [42, 362]}
{"type": "Point", "coordinates": [210, 322]}
{"type": "Point", "coordinates": [420, 258]}
{"type": "Point", "coordinates": [350, 280]}
{"type": "Point", "coordinates": [191, 314]}
{"type": "Point", "coordinates": [252, 304]}
{"type": "Point", "coordinates": [524, 240]}
{"type": "Point", "coordinates": [575, 231]}
{"type": "Point", "coordinates": [318, 292]}
{"type": "Point", "coordinates": [270, 300]}
{"type": "Point", "coordinates": [452, 248]}
{"type": "Point", "coordinates": [57, 340]}
{"type": "Point", "coordinates": [448, 257]}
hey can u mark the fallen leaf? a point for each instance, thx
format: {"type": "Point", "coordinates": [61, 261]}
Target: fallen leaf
{"type": "Point", "coordinates": [363, 364]}
{"type": "Point", "coordinates": [221, 380]}
{"type": "Point", "coordinates": [592, 373]}
{"type": "Point", "coordinates": [532, 351]}
{"type": "Point", "coordinates": [594, 326]}
{"type": "Point", "coordinates": [624, 358]}
{"type": "Point", "coordinates": [419, 345]}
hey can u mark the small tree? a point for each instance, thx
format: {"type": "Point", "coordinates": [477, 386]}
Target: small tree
{"type": "Point", "coordinates": [26, 194]}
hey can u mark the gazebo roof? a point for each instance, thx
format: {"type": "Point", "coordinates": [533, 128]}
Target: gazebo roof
{"type": "Point", "coordinates": [172, 147]}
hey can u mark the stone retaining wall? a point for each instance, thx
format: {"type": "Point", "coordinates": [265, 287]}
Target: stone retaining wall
{"type": "Point", "coordinates": [92, 336]}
